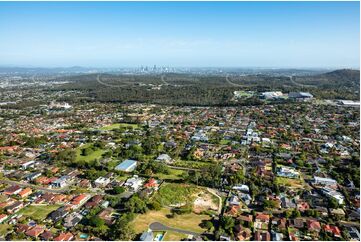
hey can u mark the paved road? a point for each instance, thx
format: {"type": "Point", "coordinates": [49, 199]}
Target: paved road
{"type": "Point", "coordinates": [156, 226]}
{"type": "Point", "coordinates": [231, 83]}
{"type": "Point", "coordinates": [299, 84]}
{"type": "Point", "coordinates": [60, 190]}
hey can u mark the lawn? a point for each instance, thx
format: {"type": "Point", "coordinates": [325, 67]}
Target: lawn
{"type": "Point", "coordinates": [225, 142]}
{"type": "Point", "coordinates": [118, 125]}
{"type": "Point", "coordinates": [4, 228]}
{"type": "Point", "coordinates": [295, 183]}
{"type": "Point", "coordinates": [191, 164]}
{"type": "Point", "coordinates": [186, 221]}
{"type": "Point", "coordinates": [174, 175]}
{"type": "Point", "coordinates": [96, 154]}
{"type": "Point", "coordinates": [174, 236]}
{"type": "Point", "coordinates": [38, 213]}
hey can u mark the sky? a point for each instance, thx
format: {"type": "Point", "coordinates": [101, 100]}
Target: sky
{"type": "Point", "coordinates": [188, 34]}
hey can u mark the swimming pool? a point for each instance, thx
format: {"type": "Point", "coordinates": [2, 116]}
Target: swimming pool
{"type": "Point", "coordinates": [84, 236]}
{"type": "Point", "coordinates": [158, 237]}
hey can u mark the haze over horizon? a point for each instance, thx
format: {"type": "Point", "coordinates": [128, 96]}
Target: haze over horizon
{"type": "Point", "coordinates": [188, 34]}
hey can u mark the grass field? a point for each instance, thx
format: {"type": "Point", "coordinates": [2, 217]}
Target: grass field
{"type": "Point", "coordinates": [186, 221]}
{"type": "Point", "coordinates": [176, 194]}
{"type": "Point", "coordinates": [174, 236]}
{"type": "Point", "coordinates": [295, 183]}
{"type": "Point", "coordinates": [4, 228]}
{"type": "Point", "coordinates": [174, 174]}
{"type": "Point", "coordinates": [225, 142]}
{"type": "Point", "coordinates": [118, 125]}
{"type": "Point", "coordinates": [38, 212]}
{"type": "Point", "coordinates": [96, 154]}
{"type": "Point", "coordinates": [191, 164]}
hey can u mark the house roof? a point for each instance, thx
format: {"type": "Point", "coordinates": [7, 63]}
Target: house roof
{"type": "Point", "coordinates": [64, 237]}
{"type": "Point", "coordinates": [47, 235]}
{"type": "Point", "coordinates": [25, 191]}
{"type": "Point", "coordinates": [262, 216]}
{"type": "Point", "coordinates": [332, 229]}
{"type": "Point", "coordinates": [78, 199]}
{"type": "Point", "coordinates": [35, 231]}
{"type": "Point", "coordinates": [313, 225]}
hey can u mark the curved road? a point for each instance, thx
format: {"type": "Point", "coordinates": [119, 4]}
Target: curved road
{"type": "Point", "coordinates": [156, 226]}
{"type": "Point", "coordinates": [231, 83]}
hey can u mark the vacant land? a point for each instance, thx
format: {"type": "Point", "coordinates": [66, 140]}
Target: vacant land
{"type": "Point", "coordinates": [175, 195]}
{"type": "Point", "coordinates": [205, 201]}
{"type": "Point", "coordinates": [174, 236]}
{"type": "Point", "coordinates": [294, 183]}
{"type": "Point", "coordinates": [173, 175]}
{"type": "Point", "coordinates": [118, 125]}
{"type": "Point", "coordinates": [4, 228]}
{"type": "Point", "coordinates": [95, 154]}
{"type": "Point", "coordinates": [188, 222]}
{"type": "Point", "coordinates": [38, 213]}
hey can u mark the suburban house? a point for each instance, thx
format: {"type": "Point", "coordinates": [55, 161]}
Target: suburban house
{"type": "Point", "coordinates": [288, 172]}
{"type": "Point", "coordinates": [3, 217]}
{"type": "Point", "coordinates": [101, 181]}
{"type": "Point", "coordinates": [260, 235]}
{"type": "Point", "coordinates": [13, 190]}
{"type": "Point", "coordinates": [60, 182]}
{"type": "Point", "coordinates": [64, 237]}
{"type": "Point", "coordinates": [134, 183]}
{"type": "Point", "coordinates": [164, 158]}
{"type": "Point", "coordinates": [29, 164]}
{"type": "Point", "coordinates": [25, 192]}
{"type": "Point", "coordinates": [324, 181]}
{"type": "Point", "coordinates": [333, 194]}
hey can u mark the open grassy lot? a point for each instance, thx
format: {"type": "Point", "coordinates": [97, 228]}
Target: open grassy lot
{"type": "Point", "coordinates": [295, 183]}
{"type": "Point", "coordinates": [186, 221]}
{"type": "Point", "coordinates": [174, 194]}
{"type": "Point", "coordinates": [174, 236]}
{"type": "Point", "coordinates": [4, 228]}
{"type": "Point", "coordinates": [38, 212]}
{"type": "Point", "coordinates": [118, 125]}
{"type": "Point", "coordinates": [96, 154]}
{"type": "Point", "coordinates": [225, 142]}
{"type": "Point", "coordinates": [173, 175]}
{"type": "Point", "coordinates": [191, 164]}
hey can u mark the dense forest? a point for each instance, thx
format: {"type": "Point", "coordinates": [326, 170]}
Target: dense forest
{"type": "Point", "coordinates": [191, 89]}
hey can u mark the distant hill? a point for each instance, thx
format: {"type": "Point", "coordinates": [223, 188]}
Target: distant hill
{"type": "Point", "coordinates": [345, 78]}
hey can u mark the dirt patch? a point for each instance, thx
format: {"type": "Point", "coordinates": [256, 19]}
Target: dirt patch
{"type": "Point", "coordinates": [204, 201]}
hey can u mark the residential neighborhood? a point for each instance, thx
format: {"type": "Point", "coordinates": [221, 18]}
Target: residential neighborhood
{"type": "Point", "coordinates": [149, 172]}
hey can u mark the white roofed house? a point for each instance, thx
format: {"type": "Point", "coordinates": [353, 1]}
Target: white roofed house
{"type": "Point", "coordinates": [324, 181]}
{"type": "Point", "coordinates": [101, 181]}
{"type": "Point", "coordinates": [165, 158]}
{"type": "Point", "coordinates": [28, 164]}
{"type": "Point", "coordinates": [61, 182]}
{"type": "Point", "coordinates": [134, 183]}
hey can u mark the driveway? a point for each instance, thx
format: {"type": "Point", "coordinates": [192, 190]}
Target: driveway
{"type": "Point", "coordinates": [156, 226]}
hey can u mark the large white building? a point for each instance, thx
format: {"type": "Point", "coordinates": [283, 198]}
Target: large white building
{"type": "Point", "coordinates": [324, 181]}
{"type": "Point", "coordinates": [333, 194]}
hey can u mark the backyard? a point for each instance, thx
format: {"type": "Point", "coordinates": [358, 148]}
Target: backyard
{"type": "Point", "coordinates": [38, 213]}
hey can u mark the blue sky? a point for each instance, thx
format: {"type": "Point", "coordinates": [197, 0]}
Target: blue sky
{"type": "Point", "coordinates": [237, 34]}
